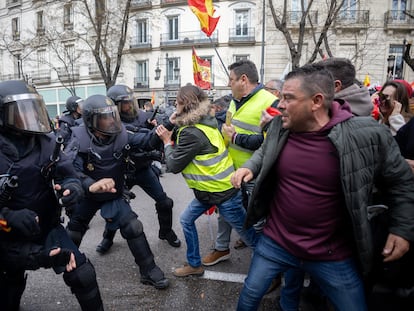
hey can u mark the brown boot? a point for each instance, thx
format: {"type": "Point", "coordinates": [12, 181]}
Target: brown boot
{"type": "Point", "coordinates": [187, 270]}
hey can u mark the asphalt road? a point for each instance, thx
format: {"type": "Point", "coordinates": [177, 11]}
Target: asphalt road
{"type": "Point", "coordinates": [118, 275]}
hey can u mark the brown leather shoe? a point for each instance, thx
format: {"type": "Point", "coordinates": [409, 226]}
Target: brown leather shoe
{"type": "Point", "coordinates": [215, 257]}
{"type": "Point", "coordinates": [187, 270]}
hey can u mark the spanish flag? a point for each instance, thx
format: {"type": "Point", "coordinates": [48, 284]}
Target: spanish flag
{"type": "Point", "coordinates": [367, 81]}
{"type": "Point", "coordinates": [201, 72]}
{"type": "Point", "coordinates": [204, 11]}
{"type": "Point", "coordinates": [153, 98]}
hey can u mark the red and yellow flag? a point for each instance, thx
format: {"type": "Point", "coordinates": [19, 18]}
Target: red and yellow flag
{"type": "Point", "coordinates": [367, 81]}
{"type": "Point", "coordinates": [204, 11]}
{"type": "Point", "coordinates": [153, 98]}
{"type": "Point", "coordinates": [201, 72]}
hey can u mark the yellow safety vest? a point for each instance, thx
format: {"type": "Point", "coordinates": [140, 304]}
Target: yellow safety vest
{"type": "Point", "coordinates": [246, 120]}
{"type": "Point", "coordinates": [209, 172]}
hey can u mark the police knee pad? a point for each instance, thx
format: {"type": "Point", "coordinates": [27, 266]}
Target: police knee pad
{"type": "Point", "coordinates": [81, 278]}
{"type": "Point", "coordinates": [168, 203]}
{"type": "Point", "coordinates": [130, 226]}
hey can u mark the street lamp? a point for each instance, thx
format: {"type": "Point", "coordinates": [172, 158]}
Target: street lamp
{"type": "Point", "coordinates": [392, 62]}
{"type": "Point", "coordinates": [158, 70]}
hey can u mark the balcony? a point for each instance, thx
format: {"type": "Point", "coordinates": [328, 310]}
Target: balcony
{"type": "Point", "coordinates": [352, 19]}
{"type": "Point", "coordinates": [173, 2]}
{"type": "Point", "coordinates": [293, 19]}
{"type": "Point", "coordinates": [40, 76]}
{"type": "Point", "coordinates": [139, 43]}
{"type": "Point", "coordinates": [68, 26]}
{"type": "Point", "coordinates": [10, 4]}
{"type": "Point", "coordinates": [171, 83]}
{"type": "Point", "coordinates": [242, 36]}
{"type": "Point", "coordinates": [40, 31]}
{"type": "Point", "coordinates": [140, 5]}
{"type": "Point", "coordinates": [141, 83]}
{"type": "Point", "coordinates": [188, 39]}
{"type": "Point", "coordinates": [94, 72]}
{"type": "Point", "coordinates": [398, 20]}
{"type": "Point", "coordinates": [67, 75]}
{"type": "Point", "coordinates": [16, 36]}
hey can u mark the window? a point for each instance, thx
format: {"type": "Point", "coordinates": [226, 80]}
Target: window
{"type": "Point", "coordinates": [142, 73]}
{"type": "Point", "coordinates": [242, 22]}
{"type": "Point", "coordinates": [397, 52]}
{"type": "Point", "coordinates": [69, 54]}
{"type": "Point", "coordinates": [142, 31]}
{"type": "Point", "coordinates": [67, 17]}
{"type": "Point", "coordinates": [17, 65]}
{"type": "Point", "coordinates": [398, 8]}
{"type": "Point", "coordinates": [173, 69]}
{"type": "Point", "coordinates": [15, 28]}
{"type": "Point", "coordinates": [41, 57]}
{"type": "Point", "coordinates": [296, 13]}
{"type": "Point", "coordinates": [40, 22]}
{"type": "Point", "coordinates": [173, 28]}
{"type": "Point", "coordinates": [348, 10]}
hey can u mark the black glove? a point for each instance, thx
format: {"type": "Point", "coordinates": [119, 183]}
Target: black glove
{"type": "Point", "coordinates": [58, 260]}
{"type": "Point", "coordinates": [22, 221]}
{"type": "Point", "coordinates": [75, 196]}
{"type": "Point", "coordinates": [131, 128]}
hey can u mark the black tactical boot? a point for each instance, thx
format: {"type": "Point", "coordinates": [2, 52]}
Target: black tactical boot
{"type": "Point", "coordinates": [106, 243]}
{"type": "Point", "coordinates": [164, 212]}
{"type": "Point", "coordinates": [156, 278]}
{"type": "Point", "coordinates": [151, 274]}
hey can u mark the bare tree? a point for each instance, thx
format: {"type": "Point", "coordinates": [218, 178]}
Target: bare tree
{"type": "Point", "coordinates": [106, 33]}
{"type": "Point", "coordinates": [307, 21]}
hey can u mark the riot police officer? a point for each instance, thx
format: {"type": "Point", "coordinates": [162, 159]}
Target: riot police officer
{"type": "Point", "coordinates": [72, 116]}
{"type": "Point", "coordinates": [102, 145]}
{"type": "Point", "coordinates": [34, 176]}
{"type": "Point", "coordinates": [141, 172]}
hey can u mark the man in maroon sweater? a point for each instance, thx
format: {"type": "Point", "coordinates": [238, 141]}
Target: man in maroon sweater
{"type": "Point", "coordinates": [315, 174]}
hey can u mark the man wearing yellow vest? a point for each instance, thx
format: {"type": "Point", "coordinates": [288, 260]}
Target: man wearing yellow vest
{"type": "Point", "coordinates": [200, 154]}
{"type": "Point", "coordinates": [244, 135]}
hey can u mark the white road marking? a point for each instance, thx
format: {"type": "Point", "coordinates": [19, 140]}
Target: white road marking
{"type": "Point", "coordinates": [224, 276]}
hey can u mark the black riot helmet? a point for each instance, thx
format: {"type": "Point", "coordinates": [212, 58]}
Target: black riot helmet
{"type": "Point", "coordinates": [22, 109]}
{"type": "Point", "coordinates": [123, 97]}
{"type": "Point", "coordinates": [100, 114]}
{"type": "Point", "coordinates": [72, 104]}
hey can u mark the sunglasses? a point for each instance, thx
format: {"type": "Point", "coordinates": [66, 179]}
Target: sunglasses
{"type": "Point", "coordinates": [384, 99]}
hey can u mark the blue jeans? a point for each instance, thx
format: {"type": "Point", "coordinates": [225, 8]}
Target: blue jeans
{"type": "Point", "coordinates": [224, 228]}
{"type": "Point", "coordinates": [338, 280]}
{"type": "Point", "coordinates": [232, 211]}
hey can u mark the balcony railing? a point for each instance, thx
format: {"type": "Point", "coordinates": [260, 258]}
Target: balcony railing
{"type": "Point", "coordinates": [40, 76]}
{"type": "Point", "coordinates": [189, 38]}
{"type": "Point", "coordinates": [41, 31]}
{"type": "Point", "coordinates": [68, 26]}
{"type": "Point", "coordinates": [399, 20]}
{"type": "Point", "coordinates": [141, 83]}
{"type": "Point", "coordinates": [172, 2]}
{"type": "Point", "coordinates": [172, 82]}
{"type": "Point", "coordinates": [16, 36]}
{"type": "Point", "coordinates": [293, 18]}
{"type": "Point", "coordinates": [94, 72]}
{"type": "Point", "coordinates": [138, 42]}
{"type": "Point", "coordinates": [68, 75]}
{"type": "Point", "coordinates": [140, 4]}
{"type": "Point", "coordinates": [242, 35]}
{"type": "Point", "coordinates": [352, 19]}
{"type": "Point", "coordinates": [13, 3]}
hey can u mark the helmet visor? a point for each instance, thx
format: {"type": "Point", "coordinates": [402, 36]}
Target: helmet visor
{"type": "Point", "coordinates": [128, 107]}
{"type": "Point", "coordinates": [27, 113]}
{"type": "Point", "coordinates": [106, 120]}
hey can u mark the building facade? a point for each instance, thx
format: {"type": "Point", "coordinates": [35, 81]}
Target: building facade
{"type": "Point", "coordinates": [48, 43]}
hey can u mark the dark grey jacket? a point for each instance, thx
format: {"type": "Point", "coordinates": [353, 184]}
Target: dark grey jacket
{"type": "Point", "coordinates": [369, 157]}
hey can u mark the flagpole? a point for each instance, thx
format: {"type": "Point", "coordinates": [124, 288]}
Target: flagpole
{"type": "Point", "coordinates": [215, 49]}
{"type": "Point", "coordinates": [263, 43]}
